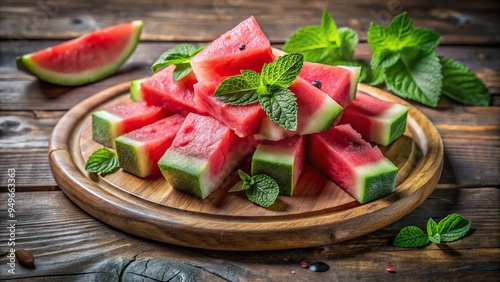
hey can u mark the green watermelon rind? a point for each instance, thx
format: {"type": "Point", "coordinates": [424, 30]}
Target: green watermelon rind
{"type": "Point", "coordinates": [105, 128]}
{"type": "Point", "coordinates": [279, 164]}
{"type": "Point", "coordinates": [135, 89]}
{"type": "Point", "coordinates": [374, 181]}
{"type": "Point", "coordinates": [398, 126]}
{"type": "Point", "coordinates": [353, 86]}
{"type": "Point", "coordinates": [71, 79]}
{"type": "Point", "coordinates": [132, 156]}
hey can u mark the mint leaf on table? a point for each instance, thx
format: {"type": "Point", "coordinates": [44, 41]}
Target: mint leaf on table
{"type": "Point", "coordinates": [102, 161]}
{"type": "Point", "coordinates": [260, 188]}
{"type": "Point", "coordinates": [433, 231]}
{"type": "Point", "coordinates": [411, 237]}
{"type": "Point", "coordinates": [180, 56]}
{"type": "Point", "coordinates": [323, 43]}
{"type": "Point", "coordinates": [462, 85]}
{"type": "Point", "coordinates": [269, 88]}
{"type": "Point", "coordinates": [453, 227]}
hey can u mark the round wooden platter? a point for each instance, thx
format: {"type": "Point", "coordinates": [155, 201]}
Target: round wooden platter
{"type": "Point", "coordinates": [319, 213]}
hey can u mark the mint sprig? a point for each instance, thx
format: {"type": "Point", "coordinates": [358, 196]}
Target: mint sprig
{"type": "Point", "coordinates": [260, 188]}
{"type": "Point", "coordinates": [449, 229]}
{"type": "Point", "coordinates": [179, 56]}
{"type": "Point", "coordinates": [102, 161]}
{"type": "Point", "coordinates": [269, 88]}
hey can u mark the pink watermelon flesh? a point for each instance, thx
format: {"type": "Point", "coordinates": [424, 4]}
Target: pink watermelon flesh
{"type": "Point", "coordinates": [316, 112]}
{"type": "Point", "coordinates": [244, 120]}
{"type": "Point", "coordinates": [358, 168]}
{"type": "Point", "coordinates": [223, 56]}
{"type": "Point", "coordinates": [335, 81]}
{"type": "Point", "coordinates": [140, 150]}
{"type": "Point", "coordinates": [376, 120]}
{"type": "Point", "coordinates": [202, 155]}
{"type": "Point", "coordinates": [121, 119]}
{"type": "Point", "coordinates": [175, 96]}
{"type": "Point", "coordinates": [283, 160]}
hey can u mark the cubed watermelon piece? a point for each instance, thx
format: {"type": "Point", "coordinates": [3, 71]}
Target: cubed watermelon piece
{"type": "Point", "coordinates": [121, 119]}
{"type": "Point", "coordinates": [283, 160]}
{"type": "Point", "coordinates": [175, 96]}
{"type": "Point", "coordinates": [135, 89]}
{"type": "Point", "coordinates": [245, 47]}
{"type": "Point", "coordinates": [334, 81]}
{"type": "Point", "coordinates": [202, 155]}
{"type": "Point", "coordinates": [358, 168]}
{"type": "Point", "coordinates": [244, 120]}
{"type": "Point", "coordinates": [316, 112]}
{"type": "Point", "coordinates": [140, 150]}
{"type": "Point", "coordinates": [376, 120]}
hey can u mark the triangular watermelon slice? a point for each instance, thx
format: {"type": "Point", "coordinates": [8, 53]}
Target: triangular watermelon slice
{"type": "Point", "coordinates": [85, 59]}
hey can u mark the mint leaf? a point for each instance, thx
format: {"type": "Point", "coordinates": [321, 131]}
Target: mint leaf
{"type": "Point", "coordinates": [239, 186]}
{"type": "Point", "coordinates": [329, 28]}
{"type": "Point", "coordinates": [245, 177]}
{"type": "Point", "coordinates": [237, 90]}
{"type": "Point", "coordinates": [102, 161]}
{"type": "Point", "coordinates": [419, 80]}
{"type": "Point", "coordinates": [310, 41]}
{"type": "Point", "coordinates": [281, 107]}
{"type": "Point", "coordinates": [251, 77]}
{"type": "Point", "coordinates": [264, 191]}
{"type": "Point", "coordinates": [411, 237]}
{"type": "Point", "coordinates": [426, 39]}
{"type": "Point", "coordinates": [348, 42]}
{"type": "Point", "coordinates": [180, 56]}
{"type": "Point", "coordinates": [283, 71]}
{"type": "Point", "coordinates": [453, 227]}
{"type": "Point", "coordinates": [433, 231]}
{"type": "Point", "coordinates": [462, 85]}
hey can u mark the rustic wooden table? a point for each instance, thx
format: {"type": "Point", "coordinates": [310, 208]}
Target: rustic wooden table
{"type": "Point", "coordinates": [70, 245]}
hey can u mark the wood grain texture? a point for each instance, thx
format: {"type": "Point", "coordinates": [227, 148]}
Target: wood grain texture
{"type": "Point", "coordinates": [458, 21]}
{"type": "Point", "coordinates": [71, 246]}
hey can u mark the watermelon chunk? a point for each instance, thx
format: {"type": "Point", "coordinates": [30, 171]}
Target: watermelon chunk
{"type": "Point", "coordinates": [175, 96]}
{"type": "Point", "coordinates": [316, 112]}
{"type": "Point", "coordinates": [358, 168]}
{"type": "Point", "coordinates": [245, 47]}
{"type": "Point", "coordinates": [283, 160]}
{"type": "Point", "coordinates": [377, 121]}
{"type": "Point", "coordinates": [135, 89]}
{"type": "Point", "coordinates": [244, 120]}
{"type": "Point", "coordinates": [86, 59]}
{"type": "Point", "coordinates": [140, 150]}
{"type": "Point", "coordinates": [335, 81]}
{"type": "Point", "coordinates": [111, 123]}
{"type": "Point", "coordinates": [202, 155]}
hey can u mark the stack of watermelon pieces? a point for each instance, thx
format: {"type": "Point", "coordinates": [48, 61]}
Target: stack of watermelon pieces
{"type": "Point", "coordinates": [207, 139]}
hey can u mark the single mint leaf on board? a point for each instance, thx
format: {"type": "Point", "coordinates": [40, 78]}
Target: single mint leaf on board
{"type": "Point", "coordinates": [453, 227]}
{"type": "Point", "coordinates": [181, 70]}
{"type": "Point", "coordinates": [310, 41]}
{"type": "Point", "coordinates": [281, 107]}
{"type": "Point", "coordinates": [411, 237]}
{"type": "Point", "coordinates": [264, 191]}
{"type": "Point", "coordinates": [102, 161]}
{"type": "Point", "coordinates": [237, 90]}
{"type": "Point", "coordinates": [329, 28]}
{"type": "Point", "coordinates": [462, 85]}
{"type": "Point", "coordinates": [419, 80]}
{"type": "Point", "coordinates": [282, 71]}
{"type": "Point", "coordinates": [433, 231]}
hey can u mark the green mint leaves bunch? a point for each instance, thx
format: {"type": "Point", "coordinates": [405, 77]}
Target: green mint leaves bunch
{"type": "Point", "coordinates": [179, 56]}
{"type": "Point", "coordinates": [325, 43]}
{"type": "Point", "coordinates": [260, 188]}
{"type": "Point", "coordinates": [269, 89]}
{"type": "Point", "coordinates": [102, 161]}
{"type": "Point", "coordinates": [449, 229]}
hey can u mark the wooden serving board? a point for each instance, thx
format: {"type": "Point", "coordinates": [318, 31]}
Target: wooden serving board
{"type": "Point", "coordinates": [320, 213]}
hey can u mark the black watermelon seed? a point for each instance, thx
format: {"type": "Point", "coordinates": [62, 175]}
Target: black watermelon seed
{"type": "Point", "coordinates": [242, 47]}
{"type": "Point", "coordinates": [318, 267]}
{"type": "Point", "coordinates": [317, 84]}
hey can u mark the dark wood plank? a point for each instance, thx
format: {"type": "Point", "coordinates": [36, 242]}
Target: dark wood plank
{"type": "Point", "coordinates": [463, 22]}
{"type": "Point", "coordinates": [69, 245]}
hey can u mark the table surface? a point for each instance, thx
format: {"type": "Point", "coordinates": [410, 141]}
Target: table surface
{"type": "Point", "coordinates": [70, 245]}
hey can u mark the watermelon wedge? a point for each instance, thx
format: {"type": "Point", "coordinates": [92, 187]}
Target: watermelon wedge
{"type": "Point", "coordinates": [140, 150]}
{"type": "Point", "coordinates": [358, 168]}
{"type": "Point", "coordinates": [175, 96]}
{"type": "Point", "coordinates": [86, 59]}
{"type": "Point", "coordinates": [135, 89]}
{"type": "Point", "coordinates": [376, 120]}
{"type": "Point", "coordinates": [111, 123]}
{"type": "Point", "coordinates": [245, 47]}
{"type": "Point", "coordinates": [202, 155]}
{"type": "Point", "coordinates": [316, 112]}
{"type": "Point", "coordinates": [283, 160]}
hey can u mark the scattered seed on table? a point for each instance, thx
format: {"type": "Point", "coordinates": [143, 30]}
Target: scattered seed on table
{"type": "Point", "coordinates": [318, 267]}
